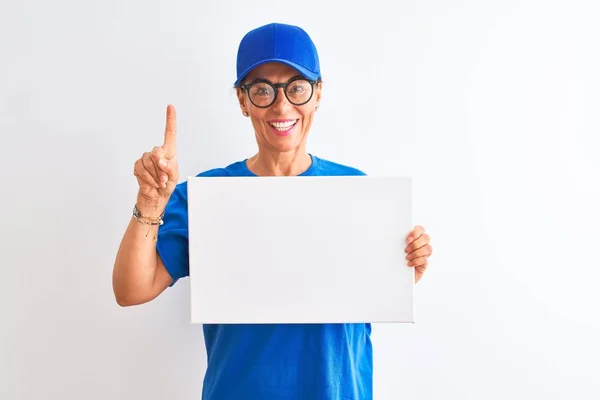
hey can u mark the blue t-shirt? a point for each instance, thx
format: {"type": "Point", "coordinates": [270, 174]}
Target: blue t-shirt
{"type": "Point", "coordinates": [273, 361]}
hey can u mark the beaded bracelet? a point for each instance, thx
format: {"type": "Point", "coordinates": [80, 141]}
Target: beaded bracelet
{"type": "Point", "coordinates": [151, 222]}
{"type": "Point", "coordinates": [147, 220]}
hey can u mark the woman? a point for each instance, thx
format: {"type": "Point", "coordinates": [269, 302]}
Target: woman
{"type": "Point", "coordinates": [279, 90]}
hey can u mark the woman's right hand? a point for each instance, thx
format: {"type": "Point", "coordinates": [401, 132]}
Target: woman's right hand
{"type": "Point", "coordinates": [157, 171]}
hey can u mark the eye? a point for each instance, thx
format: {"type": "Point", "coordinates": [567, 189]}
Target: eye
{"type": "Point", "coordinates": [261, 91]}
{"type": "Point", "coordinates": [297, 89]}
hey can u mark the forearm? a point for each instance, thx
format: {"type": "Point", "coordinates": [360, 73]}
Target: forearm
{"type": "Point", "coordinates": [136, 264]}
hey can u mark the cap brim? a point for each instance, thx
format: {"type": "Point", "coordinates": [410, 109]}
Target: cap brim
{"type": "Point", "coordinates": [308, 74]}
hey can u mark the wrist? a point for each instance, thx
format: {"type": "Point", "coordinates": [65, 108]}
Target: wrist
{"type": "Point", "coordinates": [150, 212]}
{"type": "Point", "coordinates": [145, 210]}
{"type": "Point", "coordinates": [149, 208]}
{"type": "Point", "coordinates": [151, 220]}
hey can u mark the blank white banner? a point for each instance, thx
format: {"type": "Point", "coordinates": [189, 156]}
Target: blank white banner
{"type": "Point", "coordinates": [300, 249]}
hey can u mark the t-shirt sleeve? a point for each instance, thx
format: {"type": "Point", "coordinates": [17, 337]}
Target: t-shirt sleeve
{"type": "Point", "coordinates": [172, 240]}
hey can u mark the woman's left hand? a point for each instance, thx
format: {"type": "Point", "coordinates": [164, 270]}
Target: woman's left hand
{"type": "Point", "coordinates": [418, 251]}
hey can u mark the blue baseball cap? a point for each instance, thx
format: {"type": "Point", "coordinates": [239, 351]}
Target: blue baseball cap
{"type": "Point", "coordinates": [287, 44]}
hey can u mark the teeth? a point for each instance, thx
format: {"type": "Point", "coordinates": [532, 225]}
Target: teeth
{"type": "Point", "coordinates": [283, 126]}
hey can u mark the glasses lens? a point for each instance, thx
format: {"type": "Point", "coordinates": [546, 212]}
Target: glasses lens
{"type": "Point", "coordinates": [261, 94]}
{"type": "Point", "coordinates": [299, 91]}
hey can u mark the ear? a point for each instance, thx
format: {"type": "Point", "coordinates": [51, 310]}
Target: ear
{"type": "Point", "coordinates": [242, 100]}
{"type": "Point", "coordinates": [318, 91]}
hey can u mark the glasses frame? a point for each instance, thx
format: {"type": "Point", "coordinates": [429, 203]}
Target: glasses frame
{"type": "Point", "coordinates": [276, 87]}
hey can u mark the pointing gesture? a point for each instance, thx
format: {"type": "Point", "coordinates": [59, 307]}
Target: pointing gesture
{"type": "Point", "coordinates": [169, 145]}
{"type": "Point", "coordinates": [157, 171]}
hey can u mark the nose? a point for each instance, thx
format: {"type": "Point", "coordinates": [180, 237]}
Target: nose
{"type": "Point", "coordinates": [281, 104]}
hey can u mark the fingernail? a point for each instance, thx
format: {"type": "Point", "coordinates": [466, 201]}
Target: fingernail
{"type": "Point", "coordinates": [162, 162]}
{"type": "Point", "coordinates": [410, 239]}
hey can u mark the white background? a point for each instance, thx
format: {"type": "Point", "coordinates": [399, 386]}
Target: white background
{"type": "Point", "coordinates": [492, 106]}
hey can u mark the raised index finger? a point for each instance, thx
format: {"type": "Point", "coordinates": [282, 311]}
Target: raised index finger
{"type": "Point", "coordinates": [169, 145]}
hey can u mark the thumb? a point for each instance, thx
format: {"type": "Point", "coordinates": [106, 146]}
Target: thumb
{"type": "Point", "coordinates": [172, 176]}
{"type": "Point", "coordinates": [170, 168]}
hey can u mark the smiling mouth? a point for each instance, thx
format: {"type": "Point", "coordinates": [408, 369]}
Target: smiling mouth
{"type": "Point", "coordinates": [283, 126]}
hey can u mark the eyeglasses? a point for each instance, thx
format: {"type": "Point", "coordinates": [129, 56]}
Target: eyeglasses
{"type": "Point", "coordinates": [263, 93]}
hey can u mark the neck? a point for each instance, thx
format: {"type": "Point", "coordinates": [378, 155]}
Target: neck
{"type": "Point", "coordinates": [279, 164]}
